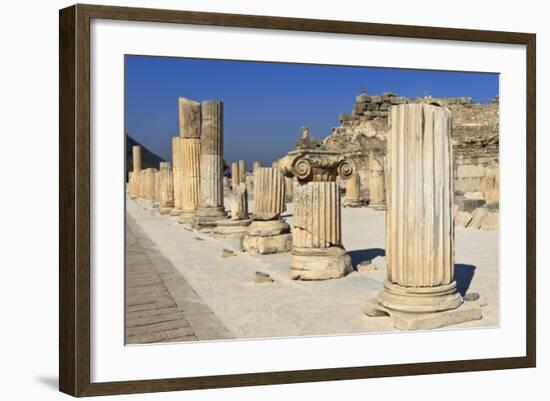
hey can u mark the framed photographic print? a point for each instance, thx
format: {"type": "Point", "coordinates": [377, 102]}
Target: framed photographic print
{"type": "Point", "coordinates": [250, 200]}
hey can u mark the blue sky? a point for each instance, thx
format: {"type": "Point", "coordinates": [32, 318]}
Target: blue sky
{"type": "Point", "coordinates": [265, 104]}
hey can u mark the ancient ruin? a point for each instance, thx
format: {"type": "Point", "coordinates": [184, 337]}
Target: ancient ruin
{"type": "Point", "coordinates": [237, 225]}
{"type": "Point", "coordinates": [235, 175]}
{"type": "Point", "coordinates": [317, 250]}
{"type": "Point", "coordinates": [353, 197]}
{"type": "Point", "coordinates": [210, 207]}
{"type": "Point", "coordinates": [268, 233]}
{"type": "Point", "coordinates": [166, 201]}
{"type": "Point", "coordinates": [176, 173]}
{"type": "Point", "coordinates": [420, 291]}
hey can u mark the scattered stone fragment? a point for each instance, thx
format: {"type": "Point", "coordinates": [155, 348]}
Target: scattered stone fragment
{"type": "Point", "coordinates": [477, 218]}
{"type": "Point", "coordinates": [379, 263]}
{"type": "Point", "coordinates": [366, 266]}
{"type": "Point", "coordinates": [198, 238]}
{"type": "Point", "coordinates": [471, 297]}
{"type": "Point", "coordinates": [462, 219]}
{"type": "Point", "coordinates": [226, 253]}
{"type": "Point", "coordinates": [260, 277]}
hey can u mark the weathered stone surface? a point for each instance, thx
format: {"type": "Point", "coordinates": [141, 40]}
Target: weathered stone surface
{"type": "Point", "coordinates": [150, 184]}
{"type": "Point", "coordinates": [256, 165]}
{"type": "Point", "coordinates": [189, 118]}
{"type": "Point", "coordinates": [490, 221]}
{"type": "Point", "coordinates": [269, 194]}
{"type": "Point", "coordinates": [239, 203]}
{"type": "Point", "coordinates": [366, 266]}
{"type": "Point", "coordinates": [268, 228]}
{"type": "Point", "coordinates": [176, 174]}
{"type": "Point", "coordinates": [166, 202]}
{"type": "Point", "coordinates": [189, 178]}
{"type": "Point", "coordinates": [491, 183]}
{"type": "Point", "coordinates": [267, 244]}
{"type": "Point", "coordinates": [319, 263]}
{"type": "Point", "coordinates": [226, 253]}
{"type": "Point", "coordinates": [469, 205]}
{"type": "Point", "coordinates": [419, 221]}
{"type": "Point", "coordinates": [210, 207]}
{"type": "Point", "coordinates": [242, 171]}
{"type": "Point", "coordinates": [462, 219]}
{"type": "Point", "coordinates": [478, 216]}
{"type": "Point", "coordinates": [235, 175]}
{"type": "Point", "coordinates": [230, 229]}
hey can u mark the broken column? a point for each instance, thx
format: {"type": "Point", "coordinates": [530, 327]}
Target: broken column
{"type": "Point", "coordinates": [491, 185]}
{"type": "Point", "coordinates": [150, 184]}
{"type": "Point", "coordinates": [256, 165]}
{"type": "Point", "coordinates": [317, 250]}
{"type": "Point", "coordinates": [189, 157]}
{"type": "Point", "coordinates": [353, 197]}
{"type": "Point", "coordinates": [166, 188]}
{"type": "Point", "coordinates": [268, 233]}
{"type": "Point", "coordinates": [176, 173]}
{"type": "Point", "coordinates": [236, 226]}
{"type": "Point", "coordinates": [242, 171]}
{"type": "Point", "coordinates": [235, 175]}
{"type": "Point", "coordinates": [377, 186]}
{"type": "Point", "coordinates": [420, 291]}
{"type": "Point", "coordinates": [156, 199]}
{"type": "Point", "coordinates": [210, 206]}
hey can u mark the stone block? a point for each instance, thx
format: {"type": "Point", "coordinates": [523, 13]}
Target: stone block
{"type": "Point", "coordinates": [490, 221]}
{"type": "Point", "coordinates": [478, 216]}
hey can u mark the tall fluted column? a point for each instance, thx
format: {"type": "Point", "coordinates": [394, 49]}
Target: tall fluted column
{"type": "Point", "coordinates": [268, 233]}
{"type": "Point", "coordinates": [156, 198]}
{"type": "Point", "coordinates": [166, 188]}
{"type": "Point", "coordinates": [235, 175]}
{"type": "Point", "coordinates": [317, 250]}
{"type": "Point", "coordinates": [150, 184]}
{"type": "Point", "coordinates": [377, 186]}
{"type": "Point", "coordinates": [419, 222]}
{"type": "Point", "coordinates": [190, 132]}
{"type": "Point", "coordinates": [176, 174]}
{"type": "Point", "coordinates": [353, 197]}
{"type": "Point", "coordinates": [211, 165]}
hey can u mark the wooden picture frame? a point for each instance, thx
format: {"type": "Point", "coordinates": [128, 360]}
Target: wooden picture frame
{"type": "Point", "coordinates": [74, 199]}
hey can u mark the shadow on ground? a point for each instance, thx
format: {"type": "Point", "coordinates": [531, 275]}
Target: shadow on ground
{"type": "Point", "coordinates": [360, 255]}
{"type": "Point", "coordinates": [463, 276]}
{"type": "Point", "coordinates": [49, 381]}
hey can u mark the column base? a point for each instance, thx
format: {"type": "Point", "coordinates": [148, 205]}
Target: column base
{"type": "Point", "coordinates": [207, 217]}
{"type": "Point", "coordinates": [264, 237]}
{"type": "Point", "coordinates": [175, 212]}
{"type": "Point", "coordinates": [230, 229]}
{"type": "Point", "coordinates": [319, 263]}
{"type": "Point", "coordinates": [186, 216]}
{"type": "Point", "coordinates": [165, 210]}
{"type": "Point", "coordinates": [352, 203]}
{"type": "Point", "coordinates": [466, 312]}
{"type": "Point", "coordinates": [156, 205]}
{"type": "Point", "coordinates": [420, 299]}
{"type": "Point", "coordinates": [377, 206]}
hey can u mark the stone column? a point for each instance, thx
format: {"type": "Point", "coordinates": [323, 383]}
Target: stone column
{"type": "Point", "coordinates": [289, 189]}
{"type": "Point", "coordinates": [176, 174]}
{"type": "Point", "coordinates": [130, 184]}
{"type": "Point", "coordinates": [211, 206]}
{"type": "Point", "coordinates": [156, 199]}
{"type": "Point", "coordinates": [190, 133]}
{"type": "Point", "coordinates": [150, 184]}
{"type": "Point", "coordinates": [491, 185]}
{"type": "Point", "coordinates": [317, 250]}
{"type": "Point", "coordinates": [141, 184]}
{"type": "Point", "coordinates": [268, 233]}
{"type": "Point", "coordinates": [236, 226]}
{"type": "Point", "coordinates": [242, 171]}
{"type": "Point", "coordinates": [353, 197]}
{"type": "Point", "coordinates": [419, 222]}
{"type": "Point", "coordinates": [256, 165]}
{"type": "Point", "coordinates": [136, 168]}
{"type": "Point", "coordinates": [166, 188]}
{"type": "Point", "coordinates": [235, 175]}
{"type": "Point", "coordinates": [377, 187]}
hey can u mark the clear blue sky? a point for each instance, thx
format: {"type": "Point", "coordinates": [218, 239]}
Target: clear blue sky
{"type": "Point", "coordinates": [265, 104]}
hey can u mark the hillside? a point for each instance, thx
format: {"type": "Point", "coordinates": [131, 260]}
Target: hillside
{"type": "Point", "coordinates": [148, 158]}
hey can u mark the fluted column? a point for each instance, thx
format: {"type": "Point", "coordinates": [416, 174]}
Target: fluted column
{"type": "Point", "coordinates": [353, 196]}
{"type": "Point", "coordinates": [377, 186]}
{"type": "Point", "coordinates": [268, 233]}
{"type": "Point", "coordinates": [235, 175]}
{"type": "Point", "coordinates": [150, 184]}
{"type": "Point", "coordinates": [419, 223]}
{"type": "Point", "coordinates": [136, 168]}
{"type": "Point", "coordinates": [189, 155]}
{"type": "Point", "coordinates": [176, 174]}
{"type": "Point", "coordinates": [166, 188]}
{"type": "Point", "coordinates": [239, 203]}
{"type": "Point", "coordinates": [156, 198]}
{"type": "Point", "coordinates": [256, 165]}
{"type": "Point", "coordinates": [491, 184]}
{"type": "Point", "coordinates": [211, 165]}
{"type": "Point", "coordinates": [317, 250]}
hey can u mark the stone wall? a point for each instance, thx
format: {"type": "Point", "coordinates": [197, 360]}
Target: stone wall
{"type": "Point", "coordinates": [475, 135]}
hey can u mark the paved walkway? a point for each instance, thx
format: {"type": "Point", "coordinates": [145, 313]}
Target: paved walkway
{"type": "Point", "coordinates": [160, 305]}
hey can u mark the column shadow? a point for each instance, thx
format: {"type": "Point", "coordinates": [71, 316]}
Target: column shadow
{"type": "Point", "coordinates": [463, 276]}
{"type": "Point", "coordinates": [359, 255]}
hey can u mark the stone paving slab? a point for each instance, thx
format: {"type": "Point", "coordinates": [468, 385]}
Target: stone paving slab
{"type": "Point", "coordinates": [160, 305]}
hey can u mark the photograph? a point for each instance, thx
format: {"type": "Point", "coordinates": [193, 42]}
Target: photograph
{"type": "Point", "coordinates": [274, 199]}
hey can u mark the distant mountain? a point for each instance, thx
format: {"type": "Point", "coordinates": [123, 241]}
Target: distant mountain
{"type": "Point", "coordinates": [148, 158]}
